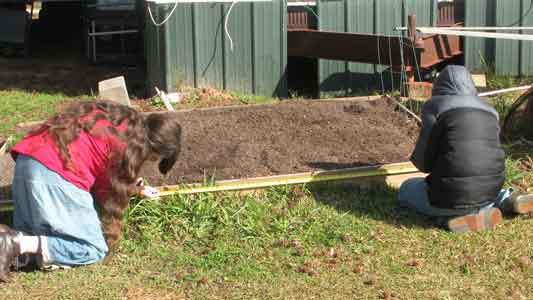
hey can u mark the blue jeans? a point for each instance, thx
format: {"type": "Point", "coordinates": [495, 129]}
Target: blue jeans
{"type": "Point", "coordinates": [63, 215]}
{"type": "Point", "coordinates": [413, 194]}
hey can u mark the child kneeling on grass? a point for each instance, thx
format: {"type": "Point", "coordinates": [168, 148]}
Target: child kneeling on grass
{"type": "Point", "coordinates": [91, 148]}
{"type": "Point", "coordinates": [459, 147]}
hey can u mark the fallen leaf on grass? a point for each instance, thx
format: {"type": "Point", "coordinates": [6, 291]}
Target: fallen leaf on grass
{"type": "Point", "coordinates": [296, 243]}
{"type": "Point", "coordinates": [524, 262]}
{"type": "Point", "coordinates": [143, 294]}
{"type": "Point", "coordinates": [414, 263]}
{"type": "Point", "coordinates": [359, 269]}
{"type": "Point", "coordinates": [299, 252]}
{"type": "Point", "coordinates": [309, 268]}
{"type": "Point", "coordinates": [372, 280]}
{"type": "Point", "coordinates": [378, 236]}
{"type": "Point", "coordinates": [203, 280]}
{"type": "Point", "coordinates": [387, 295]}
{"type": "Point", "coordinates": [179, 275]}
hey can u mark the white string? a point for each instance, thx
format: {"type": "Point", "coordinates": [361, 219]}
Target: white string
{"type": "Point", "coordinates": [416, 60]}
{"type": "Point", "coordinates": [390, 61]}
{"type": "Point", "coordinates": [166, 19]}
{"type": "Point", "coordinates": [402, 68]}
{"type": "Point", "coordinates": [380, 73]}
{"type": "Point", "coordinates": [226, 24]}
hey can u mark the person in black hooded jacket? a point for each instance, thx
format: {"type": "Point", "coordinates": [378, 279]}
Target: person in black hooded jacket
{"type": "Point", "coordinates": [459, 147]}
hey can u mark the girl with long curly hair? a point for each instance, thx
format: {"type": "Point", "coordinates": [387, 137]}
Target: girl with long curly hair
{"type": "Point", "coordinates": [91, 151]}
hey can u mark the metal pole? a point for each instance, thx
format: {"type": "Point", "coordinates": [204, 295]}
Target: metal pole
{"type": "Point", "coordinates": [474, 28]}
{"type": "Point", "coordinates": [497, 92]}
{"type": "Point", "coordinates": [93, 26]}
{"type": "Point", "coordinates": [494, 35]}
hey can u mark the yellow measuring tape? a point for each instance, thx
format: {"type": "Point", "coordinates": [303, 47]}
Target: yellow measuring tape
{"type": "Point", "coordinates": [300, 178]}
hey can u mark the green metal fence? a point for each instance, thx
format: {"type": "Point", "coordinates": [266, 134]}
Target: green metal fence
{"type": "Point", "coordinates": [193, 49]}
{"type": "Point", "coordinates": [365, 16]}
{"type": "Point", "coordinates": [505, 57]}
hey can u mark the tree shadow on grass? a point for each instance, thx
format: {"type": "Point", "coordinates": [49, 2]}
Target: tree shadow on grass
{"type": "Point", "coordinates": [366, 198]}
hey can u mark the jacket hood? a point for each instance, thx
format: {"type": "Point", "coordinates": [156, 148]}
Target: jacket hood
{"type": "Point", "coordinates": [454, 81]}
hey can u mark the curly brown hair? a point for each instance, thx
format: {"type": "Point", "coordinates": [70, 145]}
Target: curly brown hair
{"type": "Point", "coordinates": [158, 133]}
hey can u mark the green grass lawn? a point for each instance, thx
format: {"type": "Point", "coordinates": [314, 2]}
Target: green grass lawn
{"type": "Point", "coordinates": [321, 241]}
{"type": "Point", "coordinates": [21, 107]}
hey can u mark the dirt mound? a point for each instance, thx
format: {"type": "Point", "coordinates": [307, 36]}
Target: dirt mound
{"type": "Point", "coordinates": [289, 137]}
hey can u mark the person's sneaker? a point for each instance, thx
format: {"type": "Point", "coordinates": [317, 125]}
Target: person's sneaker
{"type": "Point", "coordinates": [521, 203]}
{"type": "Point", "coordinates": [9, 250]}
{"type": "Point", "coordinates": [485, 219]}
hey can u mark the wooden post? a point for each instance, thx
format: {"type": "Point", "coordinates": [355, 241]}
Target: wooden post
{"type": "Point", "coordinates": [411, 27]}
{"type": "Point", "coordinates": [412, 32]}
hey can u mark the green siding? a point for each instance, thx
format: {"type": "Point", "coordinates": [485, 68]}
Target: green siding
{"type": "Point", "coordinates": [270, 48]}
{"type": "Point", "coordinates": [193, 49]}
{"type": "Point", "coordinates": [208, 49]}
{"type": "Point", "coordinates": [503, 56]}
{"type": "Point", "coordinates": [507, 53]}
{"type": "Point", "coordinates": [527, 46]}
{"type": "Point", "coordinates": [179, 65]}
{"type": "Point", "coordinates": [332, 74]}
{"type": "Point", "coordinates": [425, 11]}
{"type": "Point", "coordinates": [238, 71]}
{"type": "Point", "coordinates": [363, 22]}
{"type": "Point", "coordinates": [479, 52]}
{"type": "Point", "coordinates": [365, 16]}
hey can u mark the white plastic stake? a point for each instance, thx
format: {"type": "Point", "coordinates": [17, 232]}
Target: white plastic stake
{"type": "Point", "coordinates": [165, 99]}
{"type": "Point", "coordinates": [492, 93]}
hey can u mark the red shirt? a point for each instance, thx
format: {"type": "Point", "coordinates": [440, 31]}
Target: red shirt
{"type": "Point", "coordinates": [90, 156]}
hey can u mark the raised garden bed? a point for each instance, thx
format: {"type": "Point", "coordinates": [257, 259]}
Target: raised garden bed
{"type": "Point", "coordinates": [283, 138]}
{"type": "Point", "coordinates": [288, 137]}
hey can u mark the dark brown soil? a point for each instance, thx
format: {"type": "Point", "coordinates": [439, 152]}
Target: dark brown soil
{"type": "Point", "coordinates": [289, 137]}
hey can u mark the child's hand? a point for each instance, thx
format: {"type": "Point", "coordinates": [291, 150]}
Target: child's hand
{"type": "Point", "coordinates": [149, 192]}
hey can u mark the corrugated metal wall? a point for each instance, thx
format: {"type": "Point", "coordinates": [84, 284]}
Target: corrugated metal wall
{"type": "Point", "coordinates": [503, 56]}
{"type": "Point", "coordinates": [365, 16]}
{"type": "Point", "coordinates": [193, 49]}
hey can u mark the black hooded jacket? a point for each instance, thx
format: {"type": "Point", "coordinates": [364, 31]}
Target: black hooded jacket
{"type": "Point", "coordinates": [459, 144]}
